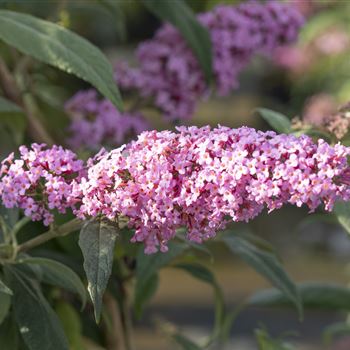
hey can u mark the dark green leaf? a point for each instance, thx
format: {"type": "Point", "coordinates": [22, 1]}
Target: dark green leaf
{"type": "Point", "coordinates": [37, 322]}
{"type": "Point", "coordinates": [4, 289]}
{"type": "Point", "coordinates": [12, 116]}
{"type": "Point", "coordinates": [97, 240]}
{"type": "Point", "coordinates": [147, 265]}
{"type": "Point", "coordinates": [267, 264]}
{"type": "Point", "coordinates": [115, 9]}
{"type": "Point", "coordinates": [182, 17]}
{"type": "Point", "coordinates": [142, 296]}
{"type": "Point", "coordinates": [9, 334]}
{"type": "Point", "coordinates": [335, 330]}
{"type": "Point", "coordinates": [184, 342]}
{"type": "Point", "coordinates": [277, 121]}
{"type": "Point", "coordinates": [7, 106]}
{"type": "Point", "coordinates": [316, 295]}
{"type": "Point", "coordinates": [10, 216]}
{"type": "Point", "coordinates": [198, 271]}
{"type": "Point", "coordinates": [5, 303]}
{"type": "Point", "coordinates": [265, 342]}
{"type": "Point", "coordinates": [71, 324]}
{"type": "Point", "coordinates": [61, 48]}
{"type": "Point", "coordinates": [342, 212]}
{"type": "Point", "coordinates": [205, 275]}
{"type": "Point", "coordinates": [57, 274]}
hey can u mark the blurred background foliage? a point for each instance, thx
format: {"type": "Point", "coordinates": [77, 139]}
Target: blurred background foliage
{"type": "Point", "coordinates": [308, 78]}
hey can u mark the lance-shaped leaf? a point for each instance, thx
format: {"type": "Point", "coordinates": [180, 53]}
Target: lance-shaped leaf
{"type": "Point", "coordinates": [314, 295]}
{"type": "Point", "coordinates": [146, 270]}
{"type": "Point", "coordinates": [61, 48]}
{"type": "Point", "coordinates": [12, 116]}
{"type": "Point", "coordinates": [276, 120]}
{"type": "Point", "coordinates": [266, 263]}
{"type": "Point", "coordinates": [342, 212]}
{"type": "Point", "coordinates": [97, 240]}
{"type": "Point", "coordinates": [182, 17]}
{"type": "Point", "coordinates": [9, 338]}
{"type": "Point", "coordinates": [5, 303]}
{"type": "Point", "coordinates": [4, 288]}
{"type": "Point", "coordinates": [37, 322]}
{"type": "Point", "coordinates": [57, 274]}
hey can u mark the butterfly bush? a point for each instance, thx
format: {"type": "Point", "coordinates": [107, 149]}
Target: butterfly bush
{"type": "Point", "coordinates": [40, 181]}
{"type": "Point", "coordinates": [170, 74]}
{"type": "Point", "coordinates": [200, 178]}
{"type": "Point", "coordinates": [96, 121]}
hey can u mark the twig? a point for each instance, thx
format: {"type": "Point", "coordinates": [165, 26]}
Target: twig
{"type": "Point", "coordinates": [60, 231]}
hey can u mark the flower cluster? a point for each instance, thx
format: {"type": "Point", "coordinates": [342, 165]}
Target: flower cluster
{"type": "Point", "coordinates": [197, 178]}
{"type": "Point", "coordinates": [40, 181]}
{"type": "Point", "coordinates": [170, 74]}
{"type": "Point", "coordinates": [96, 121]}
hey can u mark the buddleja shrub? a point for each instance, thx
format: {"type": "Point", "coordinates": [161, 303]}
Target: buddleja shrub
{"type": "Point", "coordinates": [152, 202]}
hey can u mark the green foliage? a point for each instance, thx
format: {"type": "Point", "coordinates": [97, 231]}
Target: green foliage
{"type": "Point", "coordinates": [182, 17]}
{"type": "Point", "coordinates": [114, 8]}
{"type": "Point", "coordinates": [335, 330]}
{"type": "Point", "coordinates": [265, 262]}
{"type": "Point", "coordinates": [265, 342]}
{"type": "Point", "coordinates": [342, 212]}
{"type": "Point", "coordinates": [37, 322]}
{"type": "Point", "coordinates": [97, 240]}
{"type": "Point", "coordinates": [277, 121]}
{"type": "Point", "coordinates": [4, 289]}
{"type": "Point", "coordinates": [203, 274]}
{"type": "Point", "coordinates": [57, 274]}
{"type": "Point", "coordinates": [5, 300]}
{"type": "Point", "coordinates": [184, 342]}
{"type": "Point", "coordinates": [314, 295]}
{"type": "Point", "coordinates": [9, 338]}
{"type": "Point", "coordinates": [146, 268]}
{"type": "Point", "coordinates": [144, 295]}
{"type": "Point", "coordinates": [71, 324]}
{"type": "Point", "coordinates": [61, 48]}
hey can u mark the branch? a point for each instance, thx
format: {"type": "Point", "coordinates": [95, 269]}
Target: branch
{"type": "Point", "coordinates": [60, 231]}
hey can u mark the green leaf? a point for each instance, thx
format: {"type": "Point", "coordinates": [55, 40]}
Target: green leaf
{"type": "Point", "coordinates": [147, 265]}
{"type": "Point", "coordinates": [7, 106]}
{"type": "Point", "coordinates": [57, 274]}
{"type": "Point", "coordinates": [114, 8]}
{"type": "Point", "coordinates": [97, 240]}
{"type": "Point", "coordinates": [198, 271]}
{"type": "Point", "coordinates": [12, 116]}
{"type": "Point", "coordinates": [184, 342]}
{"type": "Point", "coordinates": [265, 342]}
{"type": "Point", "coordinates": [205, 275]}
{"type": "Point", "coordinates": [61, 48]}
{"type": "Point", "coordinates": [182, 17]}
{"type": "Point", "coordinates": [314, 295]}
{"type": "Point", "coordinates": [277, 121]}
{"type": "Point", "coordinates": [37, 322]}
{"type": "Point", "coordinates": [71, 324]}
{"type": "Point", "coordinates": [143, 295]}
{"type": "Point", "coordinates": [267, 264]}
{"type": "Point", "coordinates": [4, 289]}
{"type": "Point", "coordinates": [335, 330]}
{"type": "Point", "coordinates": [10, 216]}
{"type": "Point", "coordinates": [9, 334]}
{"type": "Point", "coordinates": [342, 212]}
{"type": "Point", "coordinates": [5, 303]}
